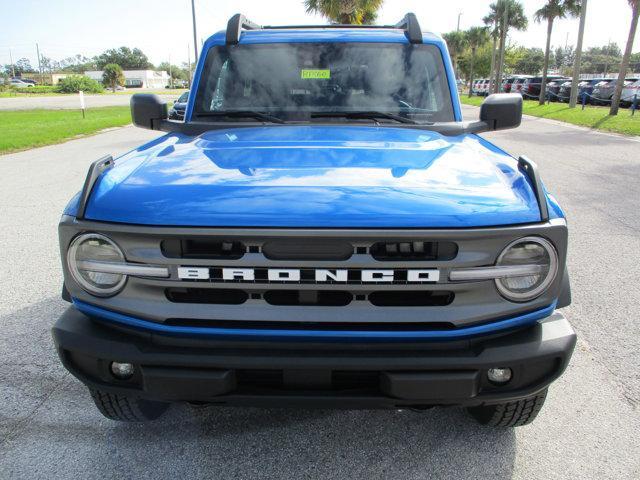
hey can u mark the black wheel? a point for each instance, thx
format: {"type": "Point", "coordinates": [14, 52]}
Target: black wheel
{"type": "Point", "coordinates": [511, 414]}
{"type": "Point", "coordinates": [127, 409]}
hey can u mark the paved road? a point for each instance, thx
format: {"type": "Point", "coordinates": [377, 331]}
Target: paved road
{"type": "Point", "coordinates": [70, 101]}
{"type": "Point", "coordinates": [588, 429]}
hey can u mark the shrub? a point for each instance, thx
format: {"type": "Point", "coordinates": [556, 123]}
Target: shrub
{"type": "Point", "coordinates": [75, 83]}
{"type": "Point", "coordinates": [37, 89]}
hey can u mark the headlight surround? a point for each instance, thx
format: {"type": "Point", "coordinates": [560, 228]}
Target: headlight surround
{"type": "Point", "coordinates": [528, 251]}
{"type": "Point", "coordinates": [96, 248]}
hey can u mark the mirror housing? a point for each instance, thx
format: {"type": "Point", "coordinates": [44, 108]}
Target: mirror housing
{"type": "Point", "coordinates": [148, 111]}
{"type": "Point", "coordinates": [501, 111]}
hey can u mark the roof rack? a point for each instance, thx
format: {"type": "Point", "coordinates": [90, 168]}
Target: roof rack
{"type": "Point", "coordinates": [239, 22]}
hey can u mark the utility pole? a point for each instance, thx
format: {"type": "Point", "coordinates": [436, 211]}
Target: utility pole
{"type": "Point", "coordinates": [195, 36]}
{"type": "Point", "coordinates": [13, 68]}
{"type": "Point", "coordinates": [39, 65]}
{"type": "Point", "coordinates": [576, 62]}
{"type": "Point", "coordinates": [170, 76]}
{"type": "Point", "coordinates": [459, 15]}
{"type": "Point", "coordinates": [189, 62]}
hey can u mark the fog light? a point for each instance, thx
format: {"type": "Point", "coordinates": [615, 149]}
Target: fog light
{"type": "Point", "coordinates": [499, 375]}
{"type": "Point", "coordinates": [122, 371]}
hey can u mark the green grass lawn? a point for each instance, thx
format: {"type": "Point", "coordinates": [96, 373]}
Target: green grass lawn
{"type": "Point", "coordinates": [26, 93]}
{"type": "Point", "coordinates": [592, 117]}
{"type": "Point", "coordinates": [23, 129]}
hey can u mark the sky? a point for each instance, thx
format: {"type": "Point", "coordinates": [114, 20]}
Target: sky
{"type": "Point", "coordinates": [163, 29]}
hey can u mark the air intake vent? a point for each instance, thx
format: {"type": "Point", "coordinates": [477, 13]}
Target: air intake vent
{"type": "Point", "coordinates": [418, 298]}
{"type": "Point", "coordinates": [211, 296]}
{"type": "Point", "coordinates": [415, 250]}
{"type": "Point", "coordinates": [203, 248]}
{"type": "Point", "coordinates": [324, 298]}
{"type": "Point", "coordinates": [307, 249]}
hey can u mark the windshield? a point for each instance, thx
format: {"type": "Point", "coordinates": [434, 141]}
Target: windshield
{"type": "Point", "coordinates": [292, 81]}
{"type": "Point", "coordinates": [183, 98]}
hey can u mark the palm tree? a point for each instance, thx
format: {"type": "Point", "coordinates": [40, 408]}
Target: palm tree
{"type": "Point", "coordinates": [550, 11]}
{"type": "Point", "coordinates": [624, 65]}
{"type": "Point", "coordinates": [112, 76]}
{"type": "Point", "coordinates": [505, 14]}
{"type": "Point", "coordinates": [456, 43]}
{"type": "Point", "coordinates": [476, 37]}
{"type": "Point", "coordinates": [356, 12]}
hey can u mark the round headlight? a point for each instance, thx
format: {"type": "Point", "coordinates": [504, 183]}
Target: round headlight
{"type": "Point", "coordinates": [530, 251]}
{"type": "Point", "coordinates": [92, 247]}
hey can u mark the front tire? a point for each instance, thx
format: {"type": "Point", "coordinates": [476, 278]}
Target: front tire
{"type": "Point", "coordinates": [510, 414]}
{"type": "Point", "coordinates": [127, 409]}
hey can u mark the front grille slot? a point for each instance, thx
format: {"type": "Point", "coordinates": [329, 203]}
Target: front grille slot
{"type": "Point", "coordinates": [203, 248]}
{"type": "Point", "coordinates": [418, 298]}
{"type": "Point", "coordinates": [324, 298]}
{"type": "Point", "coordinates": [307, 249]}
{"type": "Point", "coordinates": [414, 251]}
{"type": "Point", "coordinates": [207, 296]}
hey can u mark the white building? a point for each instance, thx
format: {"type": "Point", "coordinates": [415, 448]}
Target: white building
{"type": "Point", "coordinates": [137, 78]}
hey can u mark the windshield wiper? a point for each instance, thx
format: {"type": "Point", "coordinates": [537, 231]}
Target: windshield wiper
{"type": "Point", "coordinates": [241, 114]}
{"type": "Point", "coordinates": [364, 114]}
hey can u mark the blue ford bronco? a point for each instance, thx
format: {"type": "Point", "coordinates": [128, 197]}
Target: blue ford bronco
{"type": "Point", "coordinates": [323, 229]}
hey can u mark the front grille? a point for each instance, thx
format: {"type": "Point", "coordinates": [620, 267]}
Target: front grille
{"type": "Point", "coordinates": [318, 279]}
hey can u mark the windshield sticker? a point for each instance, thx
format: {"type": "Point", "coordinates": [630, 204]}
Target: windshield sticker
{"type": "Point", "coordinates": [306, 74]}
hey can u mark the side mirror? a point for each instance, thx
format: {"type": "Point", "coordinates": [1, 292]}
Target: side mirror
{"type": "Point", "coordinates": [501, 111]}
{"type": "Point", "coordinates": [148, 111]}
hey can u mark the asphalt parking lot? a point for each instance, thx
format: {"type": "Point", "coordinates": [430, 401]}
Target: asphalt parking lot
{"type": "Point", "coordinates": [589, 427]}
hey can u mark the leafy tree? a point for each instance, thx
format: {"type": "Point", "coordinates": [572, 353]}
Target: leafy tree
{"type": "Point", "coordinates": [356, 12]}
{"type": "Point", "coordinates": [112, 76]}
{"type": "Point", "coordinates": [624, 64]}
{"type": "Point", "coordinates": [528, 61]}
{"type": "Point", "coordinates": [127, 58]}
{"type": "Point", "coordinates": [564, 57]}
{"type": "Point", "coordinates": [600, 59]}
{"type": "Point", "coordinates": [176, 72]}
{"type": "Point", "coordinates": [476, 37]}
{"type": "Point", "coordinates": [515, 18]}
{"type": "Point", "coordinates": [75, 83]}
{"type": "Point", "coordinates": [77, 64]}
{"type": "Point", "coordinates": [457, 44]}
{"type": "Point", "coordinates": [552, 10]}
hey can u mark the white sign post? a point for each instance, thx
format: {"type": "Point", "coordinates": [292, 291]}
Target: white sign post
{"type": "Point", "coordinates": [82, 106]}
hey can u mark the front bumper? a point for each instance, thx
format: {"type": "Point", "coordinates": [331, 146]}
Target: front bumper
{"type": "Point", "coordinates": [346, 375]}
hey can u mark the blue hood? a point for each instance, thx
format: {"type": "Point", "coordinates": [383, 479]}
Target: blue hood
{"type": "Point", "coordinates": [315, 176]}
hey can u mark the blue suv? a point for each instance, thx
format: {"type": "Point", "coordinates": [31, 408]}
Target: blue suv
{"type": "Point", "coordinates": [323, 229]}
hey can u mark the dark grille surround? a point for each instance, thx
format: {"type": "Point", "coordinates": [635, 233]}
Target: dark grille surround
{"type": "Point", "coordinates": [458, 304]}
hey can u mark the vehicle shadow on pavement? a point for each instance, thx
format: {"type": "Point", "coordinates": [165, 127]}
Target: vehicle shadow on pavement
{"type": "Point", "coordinates": [49, 424]}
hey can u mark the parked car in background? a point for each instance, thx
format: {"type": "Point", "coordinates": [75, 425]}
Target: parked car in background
{"type": "Point", "coordinates": [604, 90]}
{"type": "Point", "coordinates": [25, 80]}
{"type": "Point", "coordinates": [179, 107]}
{"type": "Point", "coordinates": [584, 87]}
{"type": "Point", "coordinates": [553, 89]}
{"type": "Point", "coordinates": [516, 87]}
{"type": "Point", "coordinates": [484, 87]}
{"type": "Point", "coordinates": [531, 86]}
{"type": "Point", "coordinates": [629, 93]}
{"type": "Point", "coordinates": [17, 83]}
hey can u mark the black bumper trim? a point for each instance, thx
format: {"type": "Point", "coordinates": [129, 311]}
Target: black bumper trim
{"type": "Point", "coordinates": [403, 374]}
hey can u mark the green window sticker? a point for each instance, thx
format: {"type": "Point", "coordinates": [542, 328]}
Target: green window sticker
{"type": "Point", "coordinates": [314, 74]}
